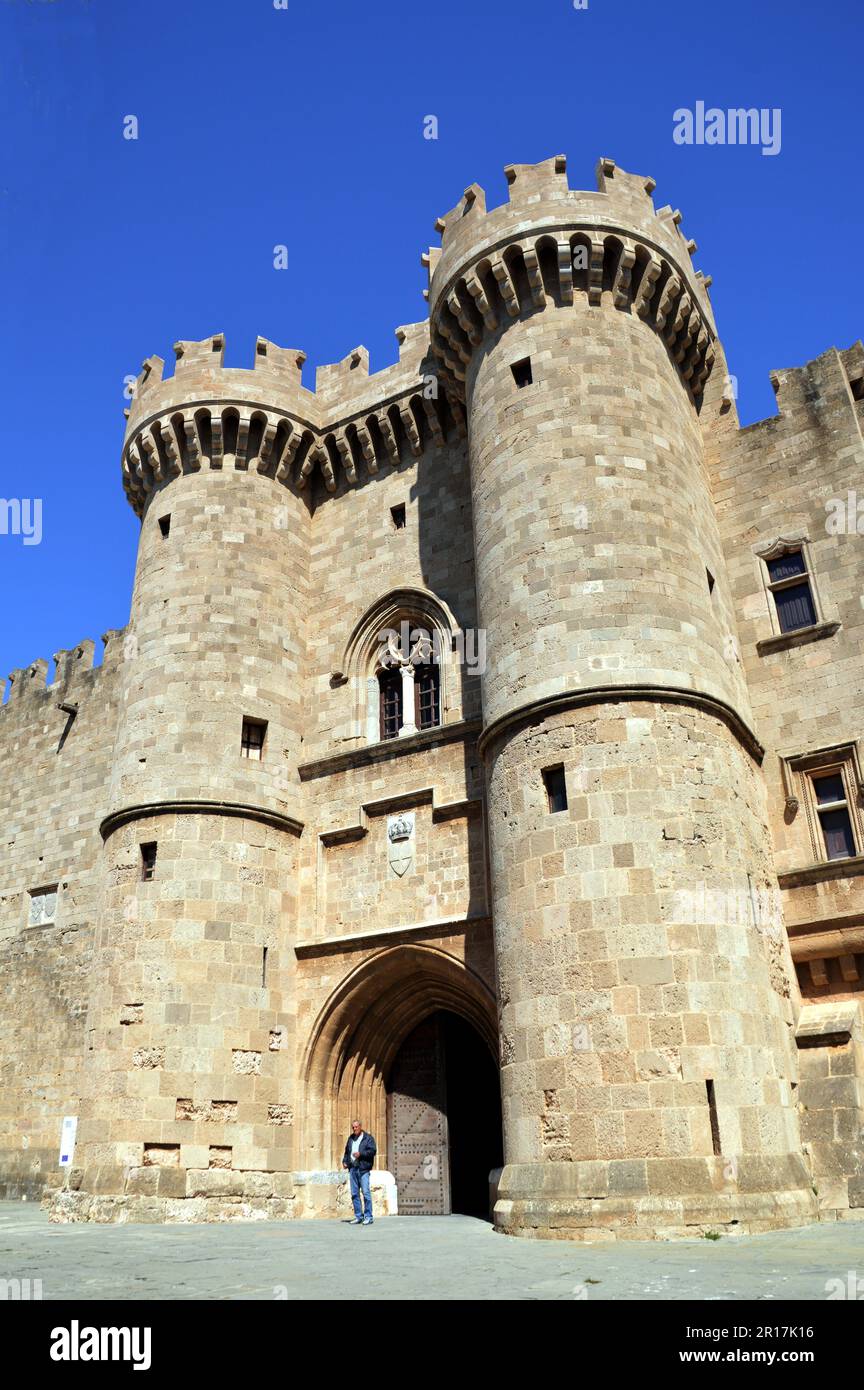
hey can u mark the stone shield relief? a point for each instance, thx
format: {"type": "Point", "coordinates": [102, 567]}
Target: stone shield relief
{"type": "Point", "coordinates": [400, 843]}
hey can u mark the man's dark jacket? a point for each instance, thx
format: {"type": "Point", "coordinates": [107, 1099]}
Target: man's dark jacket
{"type": "Point", "coordinates": [366, 1156]}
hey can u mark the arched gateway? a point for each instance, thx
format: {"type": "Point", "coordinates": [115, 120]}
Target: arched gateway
{"type": "Point", "coordinates": [408, 1043]}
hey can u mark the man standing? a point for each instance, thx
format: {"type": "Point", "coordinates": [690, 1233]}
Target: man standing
{"type": "Point", "coordinates": [358, 1158]}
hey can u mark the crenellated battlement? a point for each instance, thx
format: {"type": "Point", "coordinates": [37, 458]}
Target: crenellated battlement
{"type": "Point", "coordinates": [813, 387]}
{"type": "Point", "coordinates": [539, 193]}
{"type": "Point", "coordinates": [550, 243]}
{"type": "Point", "coordinates": [200, 375]}
{"type": "Point", "coordinates": [74, 674]}
{"type": "Point", "coordinates": [265, 420]}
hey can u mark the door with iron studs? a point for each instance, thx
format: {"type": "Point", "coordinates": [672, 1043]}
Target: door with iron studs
{"type": "Point", "coordinates": [417, 1123]}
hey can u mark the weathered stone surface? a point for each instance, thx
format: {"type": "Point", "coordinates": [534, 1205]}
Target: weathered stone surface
{"type": "Point", "coordinates": [551, 483]}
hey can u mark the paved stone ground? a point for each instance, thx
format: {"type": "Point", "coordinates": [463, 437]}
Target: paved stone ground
{"type": "Point", "coordinates": [453, 1257]}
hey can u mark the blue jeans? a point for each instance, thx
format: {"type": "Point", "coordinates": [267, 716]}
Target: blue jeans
{"type": "Point", "coordinates": [360, 1183]}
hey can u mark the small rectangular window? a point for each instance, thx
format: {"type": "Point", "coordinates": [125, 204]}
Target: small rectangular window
{"type": "Point", "coordinates": [165, 524]}
{"type": "Point", "coordinates": [43, 906]}
{"type": "Point", "coordinates": [252, 739]}
{"type": "Point", "coordinates": [398, 515]}
{"type": "Point", "coordinates": [857, 388]}
{"type": "Point", "coordinates": [522, 372]}
{"type": "Point", "coordinates": [832, 808]}
{"type": "Point", "coordinates": [556, 788]}
{"type": "Point", "coordinates": [789, 583]}
{"type": "Point", "coordinates": [148, 861]}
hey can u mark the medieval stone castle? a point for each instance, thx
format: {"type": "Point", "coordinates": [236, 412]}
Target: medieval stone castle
{"type": "Point", "coordinates": [482, 759]}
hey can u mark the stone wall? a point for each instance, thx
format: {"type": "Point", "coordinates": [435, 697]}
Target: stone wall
{"type": "Point", "coordinates": [599, 528]}
{"type": "Point", "coordinates": [831, 1095]}
{"type": "Point", "coordinates": [778, 479]}
{"type": "Point", "coordinates": [54, 771]}
{"type": "Point", "coordinates": [633, 973]}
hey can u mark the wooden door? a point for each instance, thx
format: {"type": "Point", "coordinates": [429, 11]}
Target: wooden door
{"type": "Point", "coordinates": [417, 1122]}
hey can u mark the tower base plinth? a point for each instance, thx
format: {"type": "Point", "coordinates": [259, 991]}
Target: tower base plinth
{"type": "Point", "coordinates": [641, 1199]}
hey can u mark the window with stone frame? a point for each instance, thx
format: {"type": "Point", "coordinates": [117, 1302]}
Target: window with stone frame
{"type": "Point", "coordinates": [555, 782]}
{"type": "Point", "coordinates": [252, 739]}
{"type": "Point", "coordinates": [790, 585]}
{"type": "Point", "coordinates": [43, 907]}
{"type": "Point", "coordinates": [830, 784]}
{"type": "Point", "coordinates": [408, 682]}
{"type": "Point", "coordinates": [399, 662]}
{"type": "Point", "coordinates": [833, 814]}
{"type": "Point", "coordinates": [148, 861]}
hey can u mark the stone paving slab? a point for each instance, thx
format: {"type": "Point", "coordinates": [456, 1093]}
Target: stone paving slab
{"type": "Point", "coordinates": [453, 1257]}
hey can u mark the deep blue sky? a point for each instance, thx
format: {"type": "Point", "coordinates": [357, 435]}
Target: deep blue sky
{"type": "Point", "coordinates": [304, 126]}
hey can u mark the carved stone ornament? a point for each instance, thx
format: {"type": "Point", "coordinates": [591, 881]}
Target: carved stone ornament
{"type": "Point", "coordinates": [400, 827]}
{"type": "Point", "coordinates": [400, 837]}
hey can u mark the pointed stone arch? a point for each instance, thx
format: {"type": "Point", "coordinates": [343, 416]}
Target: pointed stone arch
{"type": "Point", "coordinates": [418, 607]}
{"type": "Point", "coordinates": [345, 1067]}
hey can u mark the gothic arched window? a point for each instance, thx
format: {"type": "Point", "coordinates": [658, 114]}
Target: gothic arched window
{"type": "Point", "coordinates": [400, 663]}
{"type": "Point", "coordinates": [409, 685]}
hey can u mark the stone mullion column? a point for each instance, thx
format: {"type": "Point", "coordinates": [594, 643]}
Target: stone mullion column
{"type": "Point", "coordinates": [409, 725]}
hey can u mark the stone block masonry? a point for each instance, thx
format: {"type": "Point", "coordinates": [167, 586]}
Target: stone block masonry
{"type": "Point", "coordinates": [244, 862]}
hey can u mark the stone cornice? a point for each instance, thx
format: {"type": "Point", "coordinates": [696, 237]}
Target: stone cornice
{"type": "Point", "coordinates": [783, 641]}
{"type": "Point", "coordinates": [195, 807]}
{"type": "Point", "coordinates": [388, 936]}
{"type": "Point", "coordinates": [370, 753]}
{"type": "Point", "coordinates": [536, 710]}
{"type": "Point", "coordinates": [822, 872]}
{"type": "Point", "coordinates": [467, 808]}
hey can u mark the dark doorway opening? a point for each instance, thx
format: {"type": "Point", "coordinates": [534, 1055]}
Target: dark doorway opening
{"type": "Point", "coordinates": [444, 1119]}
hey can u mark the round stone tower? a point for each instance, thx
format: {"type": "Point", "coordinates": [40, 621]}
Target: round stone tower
{"type": "Point", "coordinates": [189, 1048]}
{"type": "Point", "coordinates": [647, 1066]}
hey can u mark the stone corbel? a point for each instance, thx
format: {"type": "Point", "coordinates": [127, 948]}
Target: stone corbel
{"type": "Point", "coordinates": [623, 273]}
{"type": "Point", "coordinates": [788, 778]}
{"type": "Point", "coordinates": [344, 449]}
{"type": "Point", "coordinates": [409, 424]}
{"type": "Point", "coordinates": [506, 286]}
{"type": "Point", "coordinates": [535, 279]}
{"type": "Point", "coordinates": [671, 290]}
{"type": "Point", "coordinates": [243, 426]}
{"type": "Point", "coordinates": [647, 288]}
{"type": "Point", "coordinates": [595, 272]}
{"type": "Point", "coordinates": [367, 448]}
{"type": "Point", "coordinates": [283, 472]}
{"type": "Point", "coordinates": [385, 425]}
{"type": "Point", "coordinates": [193, 444]}
{"type": "Point", "coordinates": [459, 312]}
{"type": "Point", "coordinates": [267, 439]}
{"type": "Point", "coordinates": [432, 420]}
{"type": "Point", "coordinates": [565, 272]}
{"type": "Point", "coordinates": [478, 294]}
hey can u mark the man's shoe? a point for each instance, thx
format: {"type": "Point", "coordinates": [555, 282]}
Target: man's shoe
{"type": "Point", "coordinates": [354, 1222]}
{"type": "Point", "coordinates": [367, 1223]}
